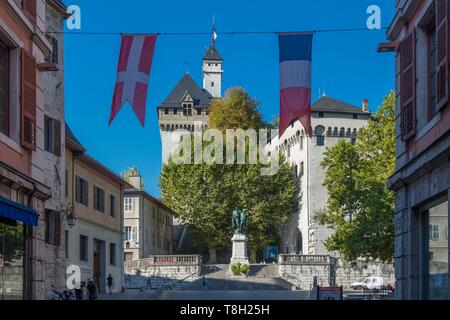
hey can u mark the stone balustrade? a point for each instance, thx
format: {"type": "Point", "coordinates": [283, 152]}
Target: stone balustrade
{"type": "Point", "coordinates": [163, 260]}
{"type": "Point", "coordinates": [304, 259]}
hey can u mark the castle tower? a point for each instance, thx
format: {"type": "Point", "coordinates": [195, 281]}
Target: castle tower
{"type": "Point", "coordinates": [212, 71]}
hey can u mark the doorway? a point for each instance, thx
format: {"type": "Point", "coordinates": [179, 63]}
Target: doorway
{"type": "Point", "coordinates": [99, 271]}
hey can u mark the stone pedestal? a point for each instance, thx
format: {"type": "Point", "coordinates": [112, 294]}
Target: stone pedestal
{"type": "Point", "coordinates": [239, 250]}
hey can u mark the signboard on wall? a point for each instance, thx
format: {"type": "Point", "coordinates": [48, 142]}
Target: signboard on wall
{"type": "Point", "coordinates": [330, 293]}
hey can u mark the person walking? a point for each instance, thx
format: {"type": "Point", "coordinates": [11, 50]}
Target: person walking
{"type": "Point", "coordinates": [204, 283]}
{"type": "Point", "coordinates": [110, 282]}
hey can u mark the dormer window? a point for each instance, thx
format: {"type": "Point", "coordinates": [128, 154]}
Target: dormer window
{"type": "Point", "coordinates": [187, 109]}
{"type": "Point", "coordinates": [212, 84]}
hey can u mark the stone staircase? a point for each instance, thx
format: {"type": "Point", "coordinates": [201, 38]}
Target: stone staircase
{"type": "Point", "coordinates": [261, 277]}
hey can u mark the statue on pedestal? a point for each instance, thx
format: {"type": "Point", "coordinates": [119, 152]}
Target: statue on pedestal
{"type": "Point", "coordinates": [239, 256]}
{"type": "Point", "coordinates": [240, 221]}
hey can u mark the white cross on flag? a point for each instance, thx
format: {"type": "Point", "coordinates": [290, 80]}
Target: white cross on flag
{"type": "Point", "coordinates": [135, 63]}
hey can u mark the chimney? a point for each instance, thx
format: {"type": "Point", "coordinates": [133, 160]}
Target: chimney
{"type": "Point", "coordinates": [365, 105]}
{"type": "Point", "coordinates": [135, 181]}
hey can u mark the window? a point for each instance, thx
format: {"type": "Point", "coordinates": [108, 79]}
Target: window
{"type": "Point", "coordinates": [432, 81]}
{"type": "Point", "coordinates": [66, 183]}
{"type": "Point", "coordinates": [175, 111]}
{"type": "Point", "coordinates": [128, 256]}
{"type": "Point", "coordinates": [83, 248]}
{"type": "Point", "coordinates": [301, 143]}
{"type": "Point", "coordinates": [199, 112]}
{"type": "Point", "coordinates": [112, 206]}
{"type": "Point", "coordinates": [355, 116]}
{"type": "Point", "coordinates": [302, 168]}
{"type": "Point", "coordinates": [112, 254]}
{"type": "Point", "coordinates": [128, 204]}
{"type": "Point", "coordinates": [321, 114]}
{"type": "Point", "coordinates": [52, 227]}
{"type": "Point", "coordinates": [134, 234]}
{"type": "Point", "coordinates": [53, 57]}
{"type": "Point", "coordinates": [52, 136]}
{"type": "Point", "coordinates": [212, 84]}
{"type": "Point", "coordinates": [320, 140]}
{"type": "Point", "coordinates": [434, 232]}
{"type": "Point", "coordinates": [434, 262]}
{"type": "Point", "coordinates": [66, 243]}
{"type": "Point", "coordinates": [99, 199]}
{"type": "Point", "coordinates": [127, 233]}
{"type": "Point", "coordinates": [296, 171]}
{"type": "Point", "coordinates": [187, 109]}
{"type": "Point", "coordinates": [166, 111]}
{"type": "Point", "coordinates": [81, 186]}
{"type": "Point", "coordinates": [4, 89]}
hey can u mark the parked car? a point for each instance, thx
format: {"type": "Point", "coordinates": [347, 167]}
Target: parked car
{"type": "Point", "coordinates": [370, 283]}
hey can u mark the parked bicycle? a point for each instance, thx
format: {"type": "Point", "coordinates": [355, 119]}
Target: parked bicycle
{"type": "Point", "coordinates": [55, 294]}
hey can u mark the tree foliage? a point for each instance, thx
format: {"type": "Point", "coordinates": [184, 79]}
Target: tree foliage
{"type": "Point", "coordinates": [205, 195]}
{"type": "Point", "coordinates": [235, 111]}
{"type": "Point", "coordinates": [360, 208]}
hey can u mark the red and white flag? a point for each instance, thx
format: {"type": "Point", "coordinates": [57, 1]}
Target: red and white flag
{"type": "Point", "coordinates": [135, 63]}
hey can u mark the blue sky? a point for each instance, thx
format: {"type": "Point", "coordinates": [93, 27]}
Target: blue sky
{"type": "Point", "coordinates": [345, 65]}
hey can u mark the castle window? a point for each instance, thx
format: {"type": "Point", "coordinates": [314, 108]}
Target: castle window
{"type": "Point", "coordinates": [212, 83]}
{"type": "Point", "coordinates": [187, 109]}
{"type": "Point", "coordinates": [175, 111]}
{"type": "Point", "coordinates": [166, 111]}
{"type": "Point", "coordinates": [319, 132]}
{"type": "Point", "coordinates": [199, 112]}
{"type": "Point", "coordinates": [321, 114]}
{"type": "Point", "coordinates": [302, 168]}
{"type": "Point", "coordinates": [355, 116]}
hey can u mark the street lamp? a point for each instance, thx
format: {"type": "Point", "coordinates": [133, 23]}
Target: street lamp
{"type": "Point", "coordinates": [70, 215]}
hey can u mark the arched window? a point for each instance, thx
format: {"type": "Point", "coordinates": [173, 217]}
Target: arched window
{"type": "Point", "coordinates": [349, 132]}
{"type": "Point", "coordinates": [335, 131]}
{"type": "Point", "coordinates": [342, 132]}
{"type": "Point", "coordinates": [329, 132]}
{"type": "Point", "coordinates": [319, 131]}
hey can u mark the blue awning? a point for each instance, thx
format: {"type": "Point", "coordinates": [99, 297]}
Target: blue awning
{"type": "Point", "coordinates": [15, 211]}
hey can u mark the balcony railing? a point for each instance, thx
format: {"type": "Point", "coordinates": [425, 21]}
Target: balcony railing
{"type": "Point", "coordinates": [303, 259]}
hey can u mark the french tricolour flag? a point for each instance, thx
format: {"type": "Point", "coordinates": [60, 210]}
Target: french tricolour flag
{"type": "Point", "coordinates": [295, 79]}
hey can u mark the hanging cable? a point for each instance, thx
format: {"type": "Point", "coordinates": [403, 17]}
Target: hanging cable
{"type": "Point", "coordinates": [232, 33]}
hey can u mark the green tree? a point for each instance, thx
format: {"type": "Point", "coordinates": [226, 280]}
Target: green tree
{"type": "Point", "coordinates": [205, 195]}
{"type": "Point", "coordinates": [235, 111]}
{"type": "Point", "coordinates": [360, 209]}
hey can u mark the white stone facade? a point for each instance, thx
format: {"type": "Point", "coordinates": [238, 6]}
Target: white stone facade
{"type": "Point", "coordinates": [303, 233]}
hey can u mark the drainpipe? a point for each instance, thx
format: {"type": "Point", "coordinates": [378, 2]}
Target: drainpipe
{"type": "Point", "coordinates": [122, 259]}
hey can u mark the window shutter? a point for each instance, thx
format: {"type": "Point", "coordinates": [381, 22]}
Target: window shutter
{"type": "Point", "coordinates": [47, 226]}
{"type": "Point", "coordinates": [57, 228]}
{"type": "Point", "coordinates": [30, 9]}
{"type": "Point", "coordinates": [58, 138]}
{"type": "Point", "coordinates": [408, 85]}
{"type": "Point", "coordinates": [28, 98]}
{"type": "Point", "coordinates": [442, 52]}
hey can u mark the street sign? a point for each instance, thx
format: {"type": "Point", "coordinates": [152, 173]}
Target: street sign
{"type": "Point", "coordinates": [330, 293]}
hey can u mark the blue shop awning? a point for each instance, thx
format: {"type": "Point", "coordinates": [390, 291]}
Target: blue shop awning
{"type": "Point", "coordinates": [15, 211]}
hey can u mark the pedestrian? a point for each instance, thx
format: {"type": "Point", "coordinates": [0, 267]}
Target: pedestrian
{"type": "Point", "coordinates": [92, 289]}
{"type": "Point", "coordinates": [110, 282]}
{"type": "Point", "coordinates": [79, 292]}
{"type": "Point", "coordinates": [204, 283]}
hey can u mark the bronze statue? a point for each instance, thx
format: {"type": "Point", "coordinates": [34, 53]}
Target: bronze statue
{"type": "Point", "coordinates": [240, 220]}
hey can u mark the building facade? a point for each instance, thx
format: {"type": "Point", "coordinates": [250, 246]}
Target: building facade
{"type": "Point", "coordinates": [148, 224]}
{"type": "Point", "coordinates": [419, 35]}
{"type": "Point", "coordinates": [331, 120]}
{"type": "Point", "coordinates": [95, 193]}
{"type": "Point", "coordinates": [31, 175]}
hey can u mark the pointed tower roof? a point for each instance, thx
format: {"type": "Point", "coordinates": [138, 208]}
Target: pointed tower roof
{"type": "Point", "coordinates": [186, 86]}
{"type": "Point", "coordinates": [212, 54]}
